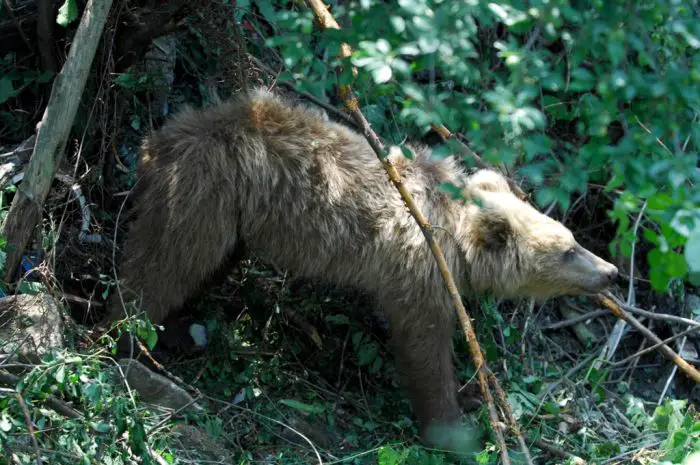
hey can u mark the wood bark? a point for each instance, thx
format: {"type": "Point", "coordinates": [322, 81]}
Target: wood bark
{"type": "Point", "coordinates": [54, 128]}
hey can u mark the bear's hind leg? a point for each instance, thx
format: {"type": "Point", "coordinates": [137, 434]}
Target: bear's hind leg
{"type": "Point", "coordinates": [170, 252]}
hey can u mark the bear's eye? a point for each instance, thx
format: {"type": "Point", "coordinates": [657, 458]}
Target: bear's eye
{"type": "Point", "coordinates": [570, 254]}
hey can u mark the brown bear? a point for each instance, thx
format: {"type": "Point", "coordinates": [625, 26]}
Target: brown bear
{"type": "Point", "coordinates": [287, 185]}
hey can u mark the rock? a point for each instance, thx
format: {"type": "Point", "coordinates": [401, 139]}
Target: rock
{"type": "Point", "coordinates": [196, 445]}
{"type": "Point", "coordinates": [692, 309]}
{"type": "Point", "coordinates": [30, 326]}
{"type": "Point", "coordinates": [153, 388]}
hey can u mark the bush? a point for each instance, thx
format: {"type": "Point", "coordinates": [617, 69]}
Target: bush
{"type": "Point", "coordinates": [575, 96]}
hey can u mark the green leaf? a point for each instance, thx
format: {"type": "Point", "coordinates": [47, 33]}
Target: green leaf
{"type": "Point", "coordinates": [676, 266]}
{"type": "Point", "coordinates": [616, 51]}
{"type": "Point", "coordinates": [408, 153]}
{"type": "Point", "coordinates": [5, 423]}
{"type": "Point", "coordinates": [30, 287]}
{"type": "Point", "coordinates": [135, 122]}
{"type": "Point", "coordinates": [100, 427]}
{"type": "Point", "coordinates": [582, 80]}
{"type": "Point", "coordinates": [382, 74]}
{"type": "Point", "coordinates": [692, 251]}
{"type": "Point", "coordinates": [338, 319]}
{"type": "Point", "coordinates": [367, 353]}
{"type": "Point", "coordinates": [388, 456]}
{"type": "Point", "coordinates": [7, 91]}
{"type": "Point", "coordinates": [152, 339]}
{"type": "Point", "coordinates": [60, 374]}
{"type": "Point", "coordinates": [555, 107]}
{"type": "Point", "coordinates": [67, 13]}
{"type": "Point", "coordinates": [452, 190]}
{"type": "Point", "coordinates": [659, 279]}
{"type": "Point", "coordinates": [303, 407]}
{"type": "Point", "coordinates": [398, 23]}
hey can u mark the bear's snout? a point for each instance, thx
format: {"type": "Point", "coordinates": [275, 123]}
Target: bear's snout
{"type": "Point", "coordinates": [611, 274]}
{"type": "Point", "coordinates": [608, 272]}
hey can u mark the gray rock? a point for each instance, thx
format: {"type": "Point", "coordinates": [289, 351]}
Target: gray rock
{"type": "Point", "coordinates": [153, 388]}
{"type": "Point", "coordinates": [30, 327]}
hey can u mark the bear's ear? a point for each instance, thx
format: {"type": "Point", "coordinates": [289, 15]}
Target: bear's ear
{"type": "Point", "coordinates": [492, 229]}
{"type": "Point", "coordinates": [487, 180]}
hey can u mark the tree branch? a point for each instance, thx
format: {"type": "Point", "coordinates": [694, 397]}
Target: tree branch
{"type": "Point", "coordinates": [616, 307]}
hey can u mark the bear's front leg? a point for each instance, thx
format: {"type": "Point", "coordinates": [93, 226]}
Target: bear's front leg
{"type": "Point", "coordinates": [423, 353]}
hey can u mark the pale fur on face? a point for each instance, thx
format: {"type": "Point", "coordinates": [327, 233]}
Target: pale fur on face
{"type": "Point", "coordinates": [515, 251]}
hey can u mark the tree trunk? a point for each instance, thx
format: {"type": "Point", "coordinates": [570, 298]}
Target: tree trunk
{"type": "Point", "coordinates": [53, 133]}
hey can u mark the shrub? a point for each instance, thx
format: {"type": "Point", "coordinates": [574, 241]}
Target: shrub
{"type": "Point", "coordinates": [574, 96]}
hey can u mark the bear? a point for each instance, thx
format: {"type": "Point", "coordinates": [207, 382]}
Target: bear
{"type": "Point", "coordinates": [264, 176]}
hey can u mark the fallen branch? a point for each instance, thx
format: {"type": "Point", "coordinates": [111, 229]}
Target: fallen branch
{"type": "Point", "coordinates": [29, 425]}
{"type": "Point", "coordinates": [659, 316]}
{"type": "Point", "coordinates": [53, 132]}
{"type": "Point", "coordinates": [575, 320]}
{"type": "Point", "coordinates": [503, 401]}
{"type": "Point", "coordinates": [583, 332]}
{"type": "Point", "coordinates": [642, 352]}
{"type": "Point", "coordinates": [616, 307]}
{"type": "Point", "coordinates": [551, 450]}
{"type": "Point", "coordinates": [53, 402]}
{"type": "Point", "coordinates": [346, 93]}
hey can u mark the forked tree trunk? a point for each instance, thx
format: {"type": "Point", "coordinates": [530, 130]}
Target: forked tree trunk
{"type": "Point", "coordinates": [53, 132]}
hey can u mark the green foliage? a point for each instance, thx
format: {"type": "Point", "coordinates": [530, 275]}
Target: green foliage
{"type": "Point", "coordinates": [109, 423]}
{"type": "Point", "coordinates": [678, 423]}
{"type": "Point", "coordinates": [412, 455]}
{"type": "Point", "coordinates": [16, 78]}
{"type": "Point", "coordinates": [67, 13]}
{"type": "Point", "coordinates": [575, 95]}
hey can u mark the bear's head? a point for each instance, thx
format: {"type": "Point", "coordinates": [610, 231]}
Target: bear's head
{"type": "Point", "coordinates": [514, 250]}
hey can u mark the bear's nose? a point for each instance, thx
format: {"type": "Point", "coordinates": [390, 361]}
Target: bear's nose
{"type": "Point", "coordinates": [612, 273]}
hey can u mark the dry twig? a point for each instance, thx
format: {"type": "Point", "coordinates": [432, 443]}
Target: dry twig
{"type": "Point", "coordinates": [616, 307]}
{"type": "Point", "coordinates": [575, 320]}
{"type": "Point", "coordinates": [30, 426]}
{"type": "Point", "coordinates": [644, 351]}
{"type": "Point", "coordinates": [620, 328]}
{"type": "Point", "coordinates": [556, 452]}
{"type": "Point", "coordinates": [503, 401]}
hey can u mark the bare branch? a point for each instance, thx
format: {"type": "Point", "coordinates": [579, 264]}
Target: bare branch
{"type": "Point", "coordinates": [616, 307]}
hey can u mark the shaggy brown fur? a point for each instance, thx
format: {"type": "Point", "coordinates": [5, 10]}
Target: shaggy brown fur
{"type": "Point", "coordinates": [310, 196]}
